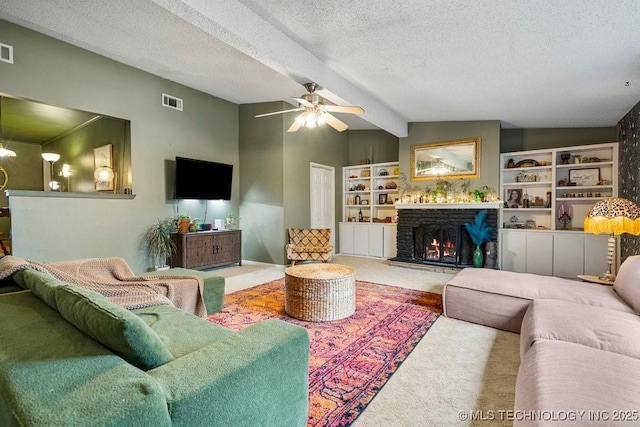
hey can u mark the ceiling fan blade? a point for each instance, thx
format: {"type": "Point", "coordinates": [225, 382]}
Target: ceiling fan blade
{"type": "Point", "coordinates": [279, 112]}
{"type": "Point", "coordinates": [303, 102]}
{"type": "Point", "coordinates": [335, 123]}
{"type": "Point", "coordinates": [296, 125]}
{"type": "Point", "coordinates": [349, 109]}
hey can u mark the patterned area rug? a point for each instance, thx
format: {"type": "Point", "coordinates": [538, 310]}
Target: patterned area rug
{"type": "Point", "coordinates": [351, 359]}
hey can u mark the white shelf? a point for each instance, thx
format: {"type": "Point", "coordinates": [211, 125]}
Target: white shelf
{"type": "Point", "coordinates": [525, 183]}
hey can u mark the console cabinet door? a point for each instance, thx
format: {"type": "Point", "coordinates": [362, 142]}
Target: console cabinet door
{"type": "Point", "coordinates": [200, 251]}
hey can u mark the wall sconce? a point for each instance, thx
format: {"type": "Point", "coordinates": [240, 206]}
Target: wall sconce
{"type": "Point", "coordinates": [105, 177]}
{"type": "Point", "coordinates": [52, 158]}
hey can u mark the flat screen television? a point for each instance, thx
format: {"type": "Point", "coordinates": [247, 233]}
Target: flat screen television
{"type": "Point", "coordinates": [202, 180]}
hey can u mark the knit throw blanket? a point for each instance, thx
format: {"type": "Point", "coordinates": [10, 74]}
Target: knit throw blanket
{"type": "Point", "coordinates": [113, 278]}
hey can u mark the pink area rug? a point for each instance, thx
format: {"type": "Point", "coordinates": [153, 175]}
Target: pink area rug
{"type": "Point", "coordinates": [351, 359]}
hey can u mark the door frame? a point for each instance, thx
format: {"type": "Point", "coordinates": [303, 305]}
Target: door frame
{"type": "Point", "coordinates": [332, 171]}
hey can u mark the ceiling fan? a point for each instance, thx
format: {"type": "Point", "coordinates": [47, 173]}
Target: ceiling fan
{"type": "Point", "coordinates": [315, 112]}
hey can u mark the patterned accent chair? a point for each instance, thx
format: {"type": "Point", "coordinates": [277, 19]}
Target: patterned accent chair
{"type": "Point", "coordinates": [309, 244]}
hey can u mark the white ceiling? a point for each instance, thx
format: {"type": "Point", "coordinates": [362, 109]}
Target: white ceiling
{"type": "Point", "coordinates": [527, 63]}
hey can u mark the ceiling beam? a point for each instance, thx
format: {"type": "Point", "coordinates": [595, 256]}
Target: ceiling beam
{"type": "Point", "coordinates": [241, 28]}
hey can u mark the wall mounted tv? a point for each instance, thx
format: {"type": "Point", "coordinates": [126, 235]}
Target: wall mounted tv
{"type": "Point", "coordinates": [202, 180]}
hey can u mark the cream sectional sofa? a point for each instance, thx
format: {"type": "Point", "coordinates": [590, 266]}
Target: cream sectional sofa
{"type": "Point", "coordinates": [579, 342]}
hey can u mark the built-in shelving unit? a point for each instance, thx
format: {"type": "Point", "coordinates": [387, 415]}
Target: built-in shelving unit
{"type": "Point", "coordinates": [569, 179]}
{"type": "Point", "coordinates": [368, 224]}
{"type": "Point", "coordinates": [574, 176]}
{"type": "Point", "coordinates": [371, 189]}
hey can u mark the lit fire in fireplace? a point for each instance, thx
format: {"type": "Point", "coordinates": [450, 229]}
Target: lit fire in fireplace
{"type": "Point", "coordinates": [437, 251]}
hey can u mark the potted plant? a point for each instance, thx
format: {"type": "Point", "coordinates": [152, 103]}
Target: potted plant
{"type": "Point", "coordinates": [480, 232]}
{"type": "Point", "coordinates": [158, 243]}
{"type": "Point", "coordinates": [184, 222]}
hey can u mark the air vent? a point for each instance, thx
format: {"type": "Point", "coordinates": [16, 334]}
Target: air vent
{"type": "Point", "coordinates": [171, 102]}
{"type": "Point", "coordinates": [6, 53]}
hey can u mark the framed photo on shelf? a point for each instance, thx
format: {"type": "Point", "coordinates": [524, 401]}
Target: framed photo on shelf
{"type": "Point", "coordinates": [584, 177]}
{"type": "Point", "coordinates": [513, 197]}
{"type": "Point", "coordinates": [382, 199]}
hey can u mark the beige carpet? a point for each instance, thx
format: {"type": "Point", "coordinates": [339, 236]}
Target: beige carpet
{"type": "Point", "coordinates": [457, 367]}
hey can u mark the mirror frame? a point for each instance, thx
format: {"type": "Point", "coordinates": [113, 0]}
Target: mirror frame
{"type": "Point", "coordinates": [416, 150]}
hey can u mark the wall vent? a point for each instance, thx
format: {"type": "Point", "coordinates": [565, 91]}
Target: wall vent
{"type": "Point", "coordinates": [6, 53]}
{"type": "Point", "coordinates": [171, 102]}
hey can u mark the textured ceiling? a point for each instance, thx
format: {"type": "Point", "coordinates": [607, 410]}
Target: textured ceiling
{"type": "Point", "coordinates": [527, 63]}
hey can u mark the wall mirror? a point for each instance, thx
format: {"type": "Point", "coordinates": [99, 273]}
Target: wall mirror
{"type": "Point", "coordinates": [446, 159]}
{"type": "Point", "coordinates": [55, 148]}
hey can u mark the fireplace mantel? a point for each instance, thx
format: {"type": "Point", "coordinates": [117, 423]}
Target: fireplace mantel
{"type": "Point", "coordinates": [483, 205]}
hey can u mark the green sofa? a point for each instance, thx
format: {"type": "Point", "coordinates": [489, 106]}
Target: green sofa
{"type": "Point", "coordinates": [69, 357]}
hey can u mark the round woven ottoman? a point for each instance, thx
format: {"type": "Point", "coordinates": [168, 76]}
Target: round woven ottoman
{"type": "Point", "coordinates": [320, 292]}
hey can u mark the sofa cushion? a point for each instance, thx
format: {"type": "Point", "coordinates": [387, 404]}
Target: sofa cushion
{"type": "Point", "coordinates": [499, 298]}
{"type": "Point", "coordinates": [557, 376]}
{"type": "Point", "coordinates": [170, 324]}
{"type": "Point", "coordinates": [627, 283]}
{"type": "Point", "coordinates": [42, 285]}
{"type": "Point", "coordinates": [113, 326]}
{"type": "Point", "coordinates": [596, 327]}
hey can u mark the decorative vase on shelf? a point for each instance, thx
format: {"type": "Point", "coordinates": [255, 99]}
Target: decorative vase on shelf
{"type": "Point", "coordinates": [478, 257]}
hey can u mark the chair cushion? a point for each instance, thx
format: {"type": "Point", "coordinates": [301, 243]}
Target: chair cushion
{"type": "Point", "coordinates": [627, 283]}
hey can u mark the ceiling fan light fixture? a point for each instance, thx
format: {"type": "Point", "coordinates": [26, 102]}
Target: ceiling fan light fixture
{"type": "Point", "coordinates": [310, 121]}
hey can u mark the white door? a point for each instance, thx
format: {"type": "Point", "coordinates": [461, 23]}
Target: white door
{"type": "Point", "coordinates": [323, 198]}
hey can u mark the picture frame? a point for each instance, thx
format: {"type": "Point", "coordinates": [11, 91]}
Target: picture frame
{"type": "Point", "coordinates": [102, 156]}
{"type": "Point", "coordinates": [382, 199]}
{"type": "Point", "coordinates": [453, 159]}
{"type": "Point", "coordinates": [513, 197]}
{"type": "Point", "coordinates": [584, 177]}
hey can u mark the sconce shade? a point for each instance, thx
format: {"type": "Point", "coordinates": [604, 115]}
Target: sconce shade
{"type": "Point", "coordinates": [51, 157]}
{"type": "Point", "coordinates": [103, 174]}
{"type": "Point", "coordinates": [6, 153]}
{"type": "Point", "coordinates": [613, 216]}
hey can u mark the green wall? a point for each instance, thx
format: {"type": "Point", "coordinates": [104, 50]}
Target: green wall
{"type": "Point", "coordinates": [275, 168]}
{"type": "Point", "coordinates": [427, 132]}
{"type": "Point", "coordinates": [54, 72]}
{"type": "Point", "coordinates": [362, 142]}
{"type": "Point", "coordinates": [543, 138]}
{"type": "Point", "coordinates": [262, 182]}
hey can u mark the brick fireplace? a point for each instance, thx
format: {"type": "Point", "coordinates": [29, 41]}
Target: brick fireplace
{"type": "Point", "coordinates": [434, 234]}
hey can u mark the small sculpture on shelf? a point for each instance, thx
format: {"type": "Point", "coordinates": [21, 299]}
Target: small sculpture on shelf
{"type": "Point", "coordinates": [564, 215]}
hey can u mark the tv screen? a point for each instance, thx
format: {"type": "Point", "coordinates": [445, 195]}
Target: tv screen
{"type": "Point", "coordinates": [199, 179]}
